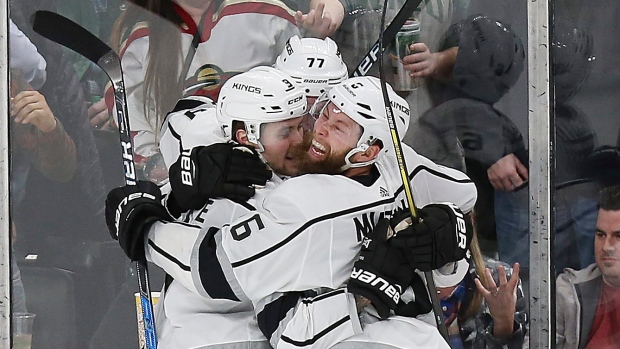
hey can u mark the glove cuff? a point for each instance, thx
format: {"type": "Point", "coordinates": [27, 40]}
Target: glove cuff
{"type": "Point", "coordinates": [383, 293]}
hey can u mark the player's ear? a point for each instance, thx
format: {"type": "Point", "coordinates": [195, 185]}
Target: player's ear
{"type": "Point", "coordinates": [371, 153]}
{"type": "Point", "coordinates": [242, 137]}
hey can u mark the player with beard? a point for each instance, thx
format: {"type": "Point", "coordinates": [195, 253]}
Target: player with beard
{"type": "Point", "coordinates": [303, 237]}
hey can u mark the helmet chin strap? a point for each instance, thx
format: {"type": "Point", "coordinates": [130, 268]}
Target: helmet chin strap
{"type": "Point", "coordinates": [347, 159]}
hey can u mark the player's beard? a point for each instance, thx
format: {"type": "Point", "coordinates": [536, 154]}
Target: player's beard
{"type": "Point", "coordinates": [331, 164]}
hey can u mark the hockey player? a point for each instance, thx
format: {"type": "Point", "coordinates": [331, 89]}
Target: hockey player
{"type": "Point", "coordinates": [213, 262]}
{"type": "Point", "coordinates": [268, 107]}
{"type": "Point", "coordinates": [314, 64]}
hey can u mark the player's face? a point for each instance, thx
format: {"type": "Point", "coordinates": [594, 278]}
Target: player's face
{"type": "Point", "coordinates": [607, 245]}
{"type": "Point", "coordinates": [279, 140]}
{"type": "Point", "coordinates": [334, 135]}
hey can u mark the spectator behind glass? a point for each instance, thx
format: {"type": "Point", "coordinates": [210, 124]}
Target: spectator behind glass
{"type": "Point", "coordinates": [494, 149]}
{"type": "Point", "coordinates": [490, 59]}
{"type": "Point", "coordinates": [588, 300]}
{"type": "Point", "coordinates": [82, 195]}
{"type": "Point", "coordinates": [575, 140]}
{"type": "Point", "coordinates": [63, 223]}
{"type": "Point", "coordinates": [154, 43]}
{"type": "Point", "coordinates": [38, 139]}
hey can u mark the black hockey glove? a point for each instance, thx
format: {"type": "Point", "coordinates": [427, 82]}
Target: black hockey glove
{"type": "Point", "coordinates": [441, 235]}
{"type": "Point", "coordinates": [222, 170]}
{"type": "Point", "coordinates": [420, 305]}
{"type": "Point", "coordinates": [381, 273]}
{"type": "Point", "coordinates": [129, 213]}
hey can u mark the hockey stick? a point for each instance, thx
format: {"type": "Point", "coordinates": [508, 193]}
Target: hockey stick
{"type": "Point", "coordinates": [402, 166]}
{"type": "Point", "coordinates": [71, 35]}
{"type": "Point", "coordinates": [385, 37]}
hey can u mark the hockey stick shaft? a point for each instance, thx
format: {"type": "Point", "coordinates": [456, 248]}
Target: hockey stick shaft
{"type": "Point", "coordinates": [71, 35]}
{"type": "Point", "coordinates": [402, 165]}
{"type": "Point", "coordinates": [386, 37]}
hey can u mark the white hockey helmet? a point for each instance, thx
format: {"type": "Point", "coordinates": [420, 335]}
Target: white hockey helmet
{"type": "Point", "coordinates": [315, 64]}
{"type": "Point", "coordinates": [259, 96]}
{"type": "Point", "coordinates": [361, 99]}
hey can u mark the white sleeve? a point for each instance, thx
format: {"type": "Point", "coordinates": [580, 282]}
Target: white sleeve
{"type": "Point", "coordinates": [186, 249]}
{"type": "Point", "coordinates": [25, 57]}
{"type": "Point", "coordinates": [192, 122]}
{"type": "Point", "coordinates": [434, 183]}
{"type": "Point", "coordinates": [291, 321]}
{"type": "Point", "coordinates": [170, 246]}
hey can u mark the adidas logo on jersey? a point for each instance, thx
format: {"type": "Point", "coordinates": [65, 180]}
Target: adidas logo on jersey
{"type": "Point", "coordinates": [370, 278]}
{"type": "Point", "coordinates": [383, 192]}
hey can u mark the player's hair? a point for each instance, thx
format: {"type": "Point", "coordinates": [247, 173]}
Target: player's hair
{"type": "Point", "coordinates": [161, 83]}
{"type": "Point", "coordinates": [609, 199]}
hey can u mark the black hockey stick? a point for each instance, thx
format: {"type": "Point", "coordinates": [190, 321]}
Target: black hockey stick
{"type": "Point", "coordinates": [386, 36]}
{"type": "Point", "coordinates": [402, 166]}
{"type": "Point", "coordinates": [69, 34]}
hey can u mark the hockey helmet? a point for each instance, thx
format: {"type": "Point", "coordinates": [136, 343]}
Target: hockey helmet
{"type": "Point", "coordinates": [490, 57]}
{"type": "Point", "coordinates": [361, 99]}
{"type": "Point", "coordinates": [313, 63]}
{"type": "Point", "coordinates": [571, 50]}
{"type": "Point", "coordinates": [258, 96]}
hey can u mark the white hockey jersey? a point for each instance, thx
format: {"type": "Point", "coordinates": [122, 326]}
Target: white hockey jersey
{"type": "Point", "coordinates": [303, 235]}
{"type": "Point", "coordinates": [237, 36]}
{"type": "Point", "coordinates": [191, 123]}
{"type": "Point", "coordinates": [183, 313]}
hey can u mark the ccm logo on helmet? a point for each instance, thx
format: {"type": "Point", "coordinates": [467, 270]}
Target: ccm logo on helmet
{"type": "Point", "coordinates": [295, 100]}
{"type": "Point", "coordinates": [460, 226]}
{"type": "Point", "coordinates": [248, 88]}
{"type": "Point", "coordinates": [372, 279]}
